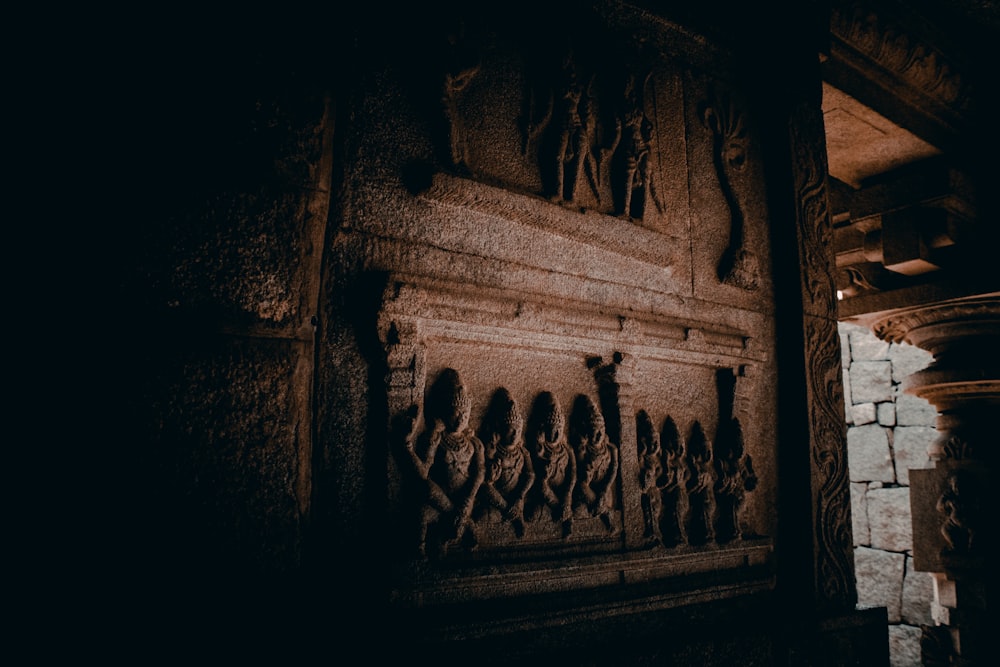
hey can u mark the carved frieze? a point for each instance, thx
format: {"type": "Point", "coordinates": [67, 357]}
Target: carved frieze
{"type": "Point", "coordinates": [904, 54]}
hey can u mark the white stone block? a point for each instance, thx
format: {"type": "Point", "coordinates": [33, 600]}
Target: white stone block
{"type": "Point", "coordinates": [871, 381]}
{"type": "Point", "coordinates": [889, 519]}
{"type": "Point", "coordinates": [863, 413]}
{"type": "Point", "coordinates": [880, 580]}
{"type": "Point", "coordinates": [868, 456]}
{"type": "Point", "coordinates": [909, 447]}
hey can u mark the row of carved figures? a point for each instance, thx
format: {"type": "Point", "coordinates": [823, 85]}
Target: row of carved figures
{"type": "Point", "coordinates": [522, 471]}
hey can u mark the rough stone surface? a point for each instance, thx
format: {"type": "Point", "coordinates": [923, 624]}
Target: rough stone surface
{"type": "Point", "coordinates": [909, 448]}
{"type": "Point", "coordinates": [864, 413]}
{"type": "Point", "coordinates": [889, 519]}
{"type": "Point", "coordinates": [867, 347]}
{"type": "Point", "coordinates": [871, 381]}
{"type": "Point", "coordinates": [918, 595]}
{"type": "Point", "coordinates": [880, 580]}
{"type": "Point", "coordinates": [845, 347]}
{"type": "Point", "coordinates": [886, 414]}
{"type": "Point", "coordinates": [847, 396]}
{"type": "Point", "coordinates": [904, 646]}
{"type": "Point", "coordinates": [914, 411]}
{"type": "Point", "coordinates": [859, 514]}
{"type": "Point", "coordinates": [907, 359]}
{"type": "Point", "coordinates": [868, 455]}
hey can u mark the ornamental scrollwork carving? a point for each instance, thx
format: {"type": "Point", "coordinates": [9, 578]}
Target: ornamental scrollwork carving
{"type": "Point", "coordinates": [915, 62]}
{"type": "Point", "coordinates": [958, 505]}
{"type": "Point", "coordinates": [738, 265]}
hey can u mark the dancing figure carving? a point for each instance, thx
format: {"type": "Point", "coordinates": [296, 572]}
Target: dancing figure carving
{"type": "Point", "coordinates": [449, 459]}
{"type": "Point", "coordinates": [554, 461]}
{"type": "Point", "coordinates": [596, 462]}
{"type": "Point", "coordinates": [509, 470]}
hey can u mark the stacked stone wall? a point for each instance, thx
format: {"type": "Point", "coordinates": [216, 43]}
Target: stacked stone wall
{"type": "Point", "coordinates": [888, 434]}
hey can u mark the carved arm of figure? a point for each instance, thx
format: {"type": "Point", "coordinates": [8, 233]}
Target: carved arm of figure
{"type": "Point", "coordinates": [436, 496]}
{"type": "Point", "coordinates": [516, 508]}
{"type": "Point", "coordinates": [607, 492]}
{"type": "Point", "coordinates": [494, 473]}
{"type": "Point", "coordinates": [567, 499]}
{"type": "Point", "coordinates": [477, 473]}
{"type": "Point", "coordinates": [588, 483]}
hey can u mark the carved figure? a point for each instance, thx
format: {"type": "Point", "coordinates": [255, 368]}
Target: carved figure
{"type": "Point", "coordinates": [509, 470]}
{"type": "Point", "coordinates": [738, 266]}
{"type": "Point", "coordinates": [596, 461]}
{"type": "Point", "coordinates": [554, 461]}
{"type": "Point", "coordinates": [700, 488]}
{"type": "Point", "coordinates": [734, 477]}
{"type": "Point", "coordinates": [571, 139]}
{"type": "Point", "coordinates": [457, 78]}
{"type": "Point", "coordinates": [673, 486]}
{"type": "Point", "coordinates": [449, 458]}
{"type": "Point", "coordinates": [636, 175]}
{"type": "Point", "coordinates": [958, 511]}
{"type": "Point", "coordinates": [650, 475]}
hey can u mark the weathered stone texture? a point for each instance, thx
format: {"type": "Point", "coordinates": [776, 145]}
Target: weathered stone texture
{"type": "Point", "coordinates": [864, 413]}
{"type": "Point", "coordinates": [886, 414]}
{"type": "Point", "coordinates": [871, 381]}
{"type": "Point", "coordinates": [880, 580]}
{"type": "Point", "coordinates": [910, 444]}
{"type": "Point", "coordinates": [889, 519]}
{"type": "Point", "coordinates": [847, 395]}
{"type": "Point", "coordinates": [918, 595]}
{"type": "Point", "coordinates": [866, 347]}
{"type": "Point", "coordinates": [904, 646]}
{"type": "Point", "coordinates": [868, 454]}
{"type": "Point", "coordinates": [906, 360]}
{"type": "Point", "coordinates": [914, 411]}
{"type": "Point", "coordinates": [859, 514]}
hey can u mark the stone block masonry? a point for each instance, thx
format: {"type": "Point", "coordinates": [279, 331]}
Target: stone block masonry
{"type": "Point", "coordinates": [888, 435]}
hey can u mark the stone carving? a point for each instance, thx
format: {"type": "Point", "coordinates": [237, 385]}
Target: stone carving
{"type": "Point", "coordinates": [555, 463]}
{"type": "Point", "coordinates": [915, 62]}
{"type": "Point", "coordinates": [734, 478]}
{"type": "Point", "coordinates": [450, 460]}
{"type": "Point", "coordinates": [958, 508]}
{"type": "Point", "coordinates": [596, 462]}
{"type": "Point", "coordinates": [650, 475]}
{"type": "Point", "coordinates": [813, 214]}
{"type": "Point", "coordinates": [835, 570]}
{"type": "Point", "coordinates": [509, 470]}
{"type": "Point", "coordinates": [572, 143]}
{"type": "Point", "coordinates": [463, 68]}
{"type": "Point", "coordinates": [635, 174]}
{"type": "Point", "coordinates": [673, 486]}
{"type": "Point", "coordinates": [700, 519]}
{"type": "Point", "coordinates": [738, 265]}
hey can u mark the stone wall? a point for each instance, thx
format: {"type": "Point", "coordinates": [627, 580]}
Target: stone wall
{"type": "Point", "coordinates": [888, 434]}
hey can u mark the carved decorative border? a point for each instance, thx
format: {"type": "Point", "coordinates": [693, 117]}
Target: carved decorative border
{"type": "Point", "coordinates": [896, 326]}
{"type": "Point", "coordinates": [916, 63]}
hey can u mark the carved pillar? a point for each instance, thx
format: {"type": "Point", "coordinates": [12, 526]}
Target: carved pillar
{"type": "Point", "coordinates": [949, 501]}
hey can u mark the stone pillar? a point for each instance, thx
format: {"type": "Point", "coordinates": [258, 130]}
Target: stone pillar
{"type": "Point", "coordinates": [948, 502]}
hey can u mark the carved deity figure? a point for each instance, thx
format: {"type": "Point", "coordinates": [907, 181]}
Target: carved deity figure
{"type": "Point", "coordinates": [700, 488]}
{"type": "Point", "coordinates": [650, 475]}
{"type": "Point", "coordinates": [554, 461]}
{"type": "Point", "coordinates": [449, 458]}
{"type": "Point", "coordinates": [509, 470]}
{"type": "Point", "coordinates": [734, 478]}
{"type": "Point", "coordinates": [636, 172]}
{"type": "Point", "coordinates": [673, 486]}
{"type": "Point", "coordinates": [957, 529]}
{"type": "Point", "coordinates": [596, 461]}
{"type": "Point", "coordinates": [738, 266]}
